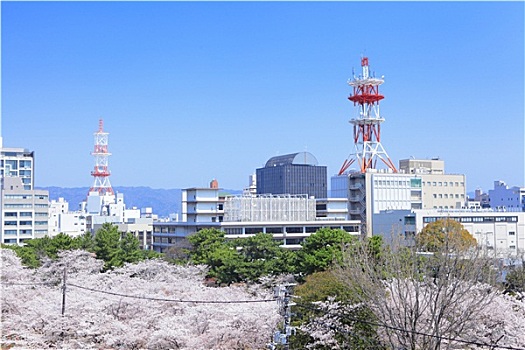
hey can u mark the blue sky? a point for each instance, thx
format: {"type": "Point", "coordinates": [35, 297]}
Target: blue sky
{"type": "Point", "coordinates": [191, 91]}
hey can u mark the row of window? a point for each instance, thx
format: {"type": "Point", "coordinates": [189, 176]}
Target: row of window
{"type": "Point", "coordinates": [25, 196]}
{"type": "Point", "coordinates": [446, 196]}
{"type": "Point", "coordinates": [474, 219]}
{"type": "Point", "coordinates": [444, 183]}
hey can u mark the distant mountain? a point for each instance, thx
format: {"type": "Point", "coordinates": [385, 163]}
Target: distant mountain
{"type": "Point", "coordinates": [163, 202]}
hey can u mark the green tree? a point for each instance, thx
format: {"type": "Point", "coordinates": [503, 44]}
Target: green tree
{"type": "Point", "coordinates": [204, 243]}
{"type": "Point", "coordinates": [130, 251]}
{"type": "Point", "coordinates": [211, 248]}
{"type": "Point", "coordinates": [446, 234]}
{"type": "Point", "coordinates": [85, 242]}
{"type": "Point", "coordinates": [243, 259]}
{"type": "Point", "coordinates": [320, 250]}
{"type": "Point", "coordinates": [107, 245]}
{"type": "Point", "coordinates": [261, 255]}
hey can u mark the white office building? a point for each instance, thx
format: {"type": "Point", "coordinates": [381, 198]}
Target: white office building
{"type": "Point", "coordinates": [289, 218]}
{"type": "Point", "coordinates": [419, 184]}
{"type": "Point", "coordinates": [24, 210]}
{"type": "Point", "coordinates": [24, 213]}
{"type": "Point", "coordinates": [500, 232]}
{"type": "Point", "coordinates": [61, 220]}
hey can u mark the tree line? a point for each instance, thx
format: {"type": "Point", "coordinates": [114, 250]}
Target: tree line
{"type": "Point", "coordinates": [355, 293]}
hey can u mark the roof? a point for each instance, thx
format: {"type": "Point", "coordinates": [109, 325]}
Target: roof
{"type": "Point", "coordinates": [300, 158]}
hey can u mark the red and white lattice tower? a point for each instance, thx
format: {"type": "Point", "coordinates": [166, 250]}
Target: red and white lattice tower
{"type": "Point", "coordinates": [367, 125]}
{"type": "Point", "coordinates": [101, 154]}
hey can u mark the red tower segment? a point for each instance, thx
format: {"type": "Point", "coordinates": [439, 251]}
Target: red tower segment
{"type": "Point", "coordinates": [367, 126]}
{"type": "Point", "coordinates": [100, 172]}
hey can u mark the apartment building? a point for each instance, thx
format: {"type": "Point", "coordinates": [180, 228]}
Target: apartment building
{"type": "Point", "coordinates": [24, 211]}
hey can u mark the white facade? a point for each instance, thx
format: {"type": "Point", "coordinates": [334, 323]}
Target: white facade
{"type": "Point", "coordinates": [24, 213]}
{"type": "Point", "coordinates": [507, 198]}
{"type": "Point", "coordinates": [500, 232]}
{"type": "Point", "coordinates": [420, 184]}
{"type": "Point", "coordinates": [332, 208]}
{"type": "Point", "coordinates": [202, 205]}
{"type": "Point", "coordinates": [18, 162]}
{"type": "Point", "coordinates": [290, 219]}
{"type": "Point", "coordinates": [63, 221]}
{"type": "Point", "coordinates": [289, 233]}
{"type": "Point", "coordinates": [269, 207]}
{"type": "Point", "coordinates": [503, 233]}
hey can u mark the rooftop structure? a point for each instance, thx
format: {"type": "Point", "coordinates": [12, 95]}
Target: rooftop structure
{"type": "Point", "coordinates": [296, 173]}
{"type": "Point", "coordinates": [267, 208]}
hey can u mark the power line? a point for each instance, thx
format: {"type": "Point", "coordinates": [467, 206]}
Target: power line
{"type": "Point", "coordinates": [175, 300]}
{"type": "Point", "coordinates": [492, 346]}
{"type": "Point", "coordinates": [27, 284]}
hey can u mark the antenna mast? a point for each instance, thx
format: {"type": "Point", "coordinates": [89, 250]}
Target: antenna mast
{"type": "Point", "coordinates": [101, 154]}
{"type": "Point", "coordinates": [367, 126]}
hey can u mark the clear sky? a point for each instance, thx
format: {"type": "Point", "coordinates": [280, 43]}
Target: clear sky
{"type": "Point", "coordinates": [191, 91]}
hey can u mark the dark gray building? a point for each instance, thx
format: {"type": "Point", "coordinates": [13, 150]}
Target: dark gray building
{"type": "Point", "coordinates": [296, 173]}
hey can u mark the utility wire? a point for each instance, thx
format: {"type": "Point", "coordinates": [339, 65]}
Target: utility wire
{"type": "Point", "coordinates": [175, 300]}
{"type": "Point", "coordinates": [27, 284]}
{"type": "Point", "coordinates": [492, 346]}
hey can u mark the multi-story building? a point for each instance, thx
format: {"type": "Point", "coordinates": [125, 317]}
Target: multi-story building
{"type": "Point", "coordinates": [507, 198]}
{"type": "Point", "coordinates": [24, 213]}
{"type": "Point", "coordinates": [289, 218]}
{"type": "Point", "coordinates": [202, 205]}
{"type": "Point", "coordinates": [18, 162]}
{"type": "Point", "coordinates": [419, 184]}
{"type": "Point", "coordinates": [61, 220]}
{"type": "Point", "coordinates": [296, 173]}
{"type": "Point", "coordinates": [497, 231]}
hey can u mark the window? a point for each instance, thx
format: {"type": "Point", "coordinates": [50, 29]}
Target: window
{"type": "Point", "coordinates": [415, 183]}
{"type": "Point", "coordinates": [7, 214]}
{"type": "Point", "coordinates": [512, 233]}
{"type": "Point", "coordinates": [410, 220]}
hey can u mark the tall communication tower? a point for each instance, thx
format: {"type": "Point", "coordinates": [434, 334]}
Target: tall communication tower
{"type": "Point", "coordinates": [367, 125]}
{"type": "Point", "coordinates": [101, 154]}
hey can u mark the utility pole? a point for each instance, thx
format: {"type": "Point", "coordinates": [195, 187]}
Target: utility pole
{"type": "Point", "coordinates": [64, 293]}
{"type": "Point", "coordinates": [283, 294]}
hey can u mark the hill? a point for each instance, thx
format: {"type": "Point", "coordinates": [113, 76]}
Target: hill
{"type": "Point", "coordinates": [163, 201]}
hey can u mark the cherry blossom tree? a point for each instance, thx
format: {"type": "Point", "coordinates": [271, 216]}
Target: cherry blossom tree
{"type": "Point", "coordinates": [440, 300]}
{"type": "Point", "coordinates": [148, 305]}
